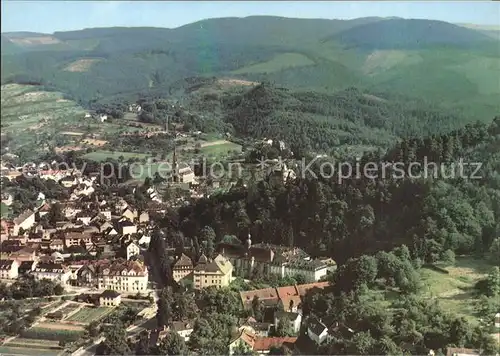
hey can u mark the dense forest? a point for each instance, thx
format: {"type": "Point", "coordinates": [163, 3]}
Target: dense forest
{"type": "Point", "coordinates": [432, 215]}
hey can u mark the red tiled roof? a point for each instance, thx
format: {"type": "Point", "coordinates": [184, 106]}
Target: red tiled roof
{"type": "Point", "coordinates": [267, 293]}
{"type": "Point", "coordinates": [285, 294]}
{"type": "Point", "coordinates": [265, 343]}
{"type": "Point", "coordinates": [303, 288]}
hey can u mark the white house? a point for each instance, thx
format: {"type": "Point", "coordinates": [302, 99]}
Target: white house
{"type": "Point", "coordinates": [183, 328]}
{"type": "Point", "coordinates": [128, 227]}
{"type": "Point", "coordinates": [55, 272]}
{"type": "Point", "coordinates": [9, 269]}
{"type": "Point", "coordinates": [24, 221]}
{"type": "Point", "coordinates": [132, 250]}
{"type": "Point", "coordinates": [293, 318]}
{"type": "Point", "coordinates": [316, 330]}
{"type": "Point", "coordinates": [144, 240]}
{"type": "Point", "coordinates": [109, 298]}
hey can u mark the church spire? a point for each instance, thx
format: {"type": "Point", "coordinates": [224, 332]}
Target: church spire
{"type": "Point", "coordinates": [175, 165]}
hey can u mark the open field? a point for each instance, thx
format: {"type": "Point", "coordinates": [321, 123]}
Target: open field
{"type": "Point", "coordinates": [89, 314]}
{"type": "Point", "coordinates": [219, 147]}
{"type": "Point", "coordinates": [53, 332]}
{"type": "Point", "coordinates": [14, 350]}
{"type": "Point", "coordinates": [32, 346]}
{"type": "Point", "coordinates": [455, 290]}
{"type": "Point", "coordinates": [102, 155]}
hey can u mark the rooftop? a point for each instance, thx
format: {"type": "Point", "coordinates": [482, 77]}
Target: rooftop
{"type": "Point", "coordinates": [110, 294]}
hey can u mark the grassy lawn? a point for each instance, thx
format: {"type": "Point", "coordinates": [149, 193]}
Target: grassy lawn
{"type": "Point", "coordinates": [217, 150]}
{"type": "Point", "coordinates": [101, 155]}
{"type": "Point", "coordinates": [4, 210]}
{"type": "Point", "coordinates": [87, 314]}
{"type": "Point", "coordinates": [455, 290]}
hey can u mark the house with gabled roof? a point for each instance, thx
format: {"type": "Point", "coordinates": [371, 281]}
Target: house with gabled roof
{"type": "Point", "coordinates": [144, 217]}
{"type": "Point", "coordinates": [129, 213]}
{"type": "Point", "coordinates": [55, 272]}
{"type": "Point", "coordinates": [260, 345]}
{"type": "Point", "coordinates": [43, 210]}
{"type": "Point", "coordinates": [9, 269]}
{"type": "Point", "coordinates": [127, 227]}
{"type": "Point", "coordinates": [208, 272]}
{"type": "Point", "coordinates": [125, 276]}
{"type": "Point", "coordinates": [288, 297]}
{"type": "Point", "coordinates": [132, 250]}
{"type": "Point", "coordinates": [25, 221]}
{"type": "Point", "coordinates": [182, 267]}
{"type": "Point", "coordinates": [109, 298]}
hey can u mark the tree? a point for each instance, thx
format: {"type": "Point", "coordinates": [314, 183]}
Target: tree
{"type": "Point", "coordinates": [459, 332]}
{"type": "Point", "coordinates": [275, 350]}
{"type": "Point", "coordinates": [142, 347]}
{"type": "Point", "coordinates": [92, 329]}
{"type": "Point", "coordinates": [164, 314]}
{"type": "Point", "coordinates": [242, 349]}
{"type": "Point", "coordinates": [184, 306]}
{"type": "Point", "coordinates": [257, 308]}
{"type": "Point", "coordinates": [361, 344]}
{"type": "Point", "coordinates": [448, 257]}
{"type": "Point", "coordinates": [283, 328]}
{"type": "Point", "coordinates": [172, 344]}
{"type": "Point", "coordinates": [207, 235]}
{"type": "Point", "coordinates": [115, 342]}
{"type": "Point", "coordinates": [494, 251]}
{"type": "Point", "coordinates": [494, 282]}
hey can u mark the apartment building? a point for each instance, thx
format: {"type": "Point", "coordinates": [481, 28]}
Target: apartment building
{"type": "Point", "coordinates": [124, 276]}
{"type": "Point", "coordinates": [216, 272]}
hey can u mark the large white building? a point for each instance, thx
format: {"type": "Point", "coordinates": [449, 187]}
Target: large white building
{"type": "Point", "coordinates": [55, 272]}
{"type": "Point", "coordinates": [124, 276]}
{"type": "Point", "coordinates": [274, 260]}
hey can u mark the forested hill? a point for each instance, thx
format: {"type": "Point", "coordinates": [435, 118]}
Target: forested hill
{"type": "Point", "coordinates": [432, 216]}
{"type": "Point", "coordinates": [409, 34]}
{"type": "Point", "coordinates": [307, 120]}
{"type": "Point", "coordinates": [452, 66]}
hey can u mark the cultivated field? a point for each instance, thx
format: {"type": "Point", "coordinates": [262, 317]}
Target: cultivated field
{"type": "Point", "coordinates": [89, 314]}
{"type": "Point", "coordinates": [26, 346]}
{"type": "Point", "coordinates": [53, 332]}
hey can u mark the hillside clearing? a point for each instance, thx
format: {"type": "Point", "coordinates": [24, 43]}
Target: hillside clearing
{"type": "Point", "coordinates": [379, 61]}
{"type": "Point", "coordinates": [81, 65]}
{"type": "Point", "coordinates": [455, 290]}
{"type": "Point", "coordinates": [279, 62]}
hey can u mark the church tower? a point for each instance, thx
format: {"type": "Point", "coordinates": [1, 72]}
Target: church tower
{"type": "Point", "coordinates": [175, 166]}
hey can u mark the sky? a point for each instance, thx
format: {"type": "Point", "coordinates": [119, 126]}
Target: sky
{"type": "Point", "coordinates": [50, 16]}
